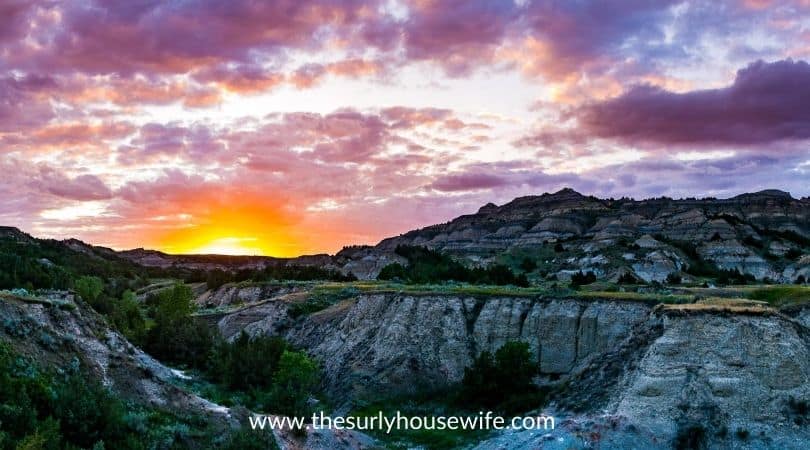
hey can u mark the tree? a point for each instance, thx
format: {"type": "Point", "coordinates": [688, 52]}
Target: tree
{"type": "Point", "coordinates": [627, 278]}
{"type": "Point", "coordinates": [89, 288]}
{"type": "Point", "coordinates": [502, 381]}
{"type": "Point", "coordinates": [528, 265]}
{"type": "Point", "coordinates": [580, 279]}
{"type": "Point", "coordinates": [295, 381]}
{"type": "Point", "coordinates": [128, 318]}
{"type": "Point", "coordinates": [177, 336]}
{"type": "Point", "coordinates": [247, 362]}
{"type": "Point", "coordinates": [216, 278]}
{"type": "Point", "coordinates": [673, 278]}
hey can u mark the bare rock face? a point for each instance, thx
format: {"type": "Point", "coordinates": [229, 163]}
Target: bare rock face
{"type": "Point", "coordinates": [734, 378]}
{"type": "Point", "coordinates": [236, 293]}
{"type": "Point", "coordinates": [732, 255]}
{"type": "Point", "coordinates": [658, 265]}
{"type": "Point", "coordinates": [395, 343]}
{"type": "Point", "coordinates": [648, 241]}
{"type": "Point", "coordinates": [736, 372]}
{"type": "Point", "coordinates": [634, 374]}
{"type": "Point", "coordinates": [265, 318]}
{"type": "Point", "coordinates": [800, 268]}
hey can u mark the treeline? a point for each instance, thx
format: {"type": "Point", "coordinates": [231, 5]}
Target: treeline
{"type": "Point", "coordinates": [426, 266]}
{"type": "Point", "coordinates": [51, 264]}
{"type": "Point", "coordinates": [217, 277]}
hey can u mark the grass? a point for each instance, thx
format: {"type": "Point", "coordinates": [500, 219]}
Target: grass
{"type": "Point", "coordinates": [781, 295]}
{"type": "Point", "coordinates": [319, 295]}
{"type": "Point", "coordinates": [645, 297]}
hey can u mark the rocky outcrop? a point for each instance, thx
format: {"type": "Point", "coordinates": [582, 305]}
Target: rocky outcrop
{"type": "Point", "coordinates": [56, 330]}
{"type": "Point", "coordinates": [237, 293]}
{"type": "Point", "coordinates": [732, 255]}
{"type": "Point", "coordinates": [722, 372]}
{"type": "Point", "coordinates": [734, 380]}
{"type": "Point", "coordinates": [394, 343]}
{"type": "Point", "coordinates": [751, 233]}
{"type": "Point", "coordinates": [625, 371]}
{"type": "Point", "coordinates": [658, 265]}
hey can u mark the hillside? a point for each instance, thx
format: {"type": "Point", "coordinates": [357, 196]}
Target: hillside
{"type": "Point", "coordinates": [765, 235]}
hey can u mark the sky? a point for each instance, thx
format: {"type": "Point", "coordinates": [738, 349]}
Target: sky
{"type": "Point", "coordinates": [296, 127]}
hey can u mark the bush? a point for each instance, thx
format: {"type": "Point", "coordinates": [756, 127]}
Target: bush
{"type": "Point", "coordinates": [43, 410]}
{"type": "Point", "coordinates": [70, 409]}
{"type": "Point", "coordinates": [581, 279]}
{"type": "Point", "coordinates": [216, 278]}
{"type": "Point", "coordinates": [128, 318]}
{"type": "Point", "coordinates": [247, 363]}
{"type": "Point", "coordinates": [89, 288]}
{"type": "Point", "coordinates": [177, 337]}
{"type": "Point", "coordinates": [627, 278]}
{"type": "Point", "coordinates": [294, 382]}
{"type": "Point", "coordinates": [799, 409]}
{"type": "Point", "coordinates": [673, 278]}
{"type": "Point", "coordinates": [502, 381]}
{"type": "Point", "coordinates": [528, 265]}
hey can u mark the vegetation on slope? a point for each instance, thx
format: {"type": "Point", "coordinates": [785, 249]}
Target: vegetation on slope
{"type": "Point", "coordinates": [429, 266]}
{"type": "Point", "coordinates": [42, 408]}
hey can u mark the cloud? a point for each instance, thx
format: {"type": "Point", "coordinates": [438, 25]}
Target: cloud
{"type": "Point", "coordinates": [460, 35]}
{"type": "Point", "coordinates": [176, 37]}
{"type": "Point", "coordinates": [468, 182]}
{"type": "Point", "coordinates": [23, 104]}
{"type": "Point", "coordinates": [767, 102]}
{"type": "Point", "coordinates": [83, 188]}
{"type": "Point", "coordinates": [13, 18]}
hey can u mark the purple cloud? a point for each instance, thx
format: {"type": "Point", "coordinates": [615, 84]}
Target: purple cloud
{"type": "Point", "coordinates": [767, 102]}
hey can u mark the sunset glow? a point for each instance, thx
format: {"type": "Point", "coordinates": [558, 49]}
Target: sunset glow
{"type": "Point", "coordinates": [282, 128]}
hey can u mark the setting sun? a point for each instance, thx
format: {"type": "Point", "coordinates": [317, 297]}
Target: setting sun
{"type": "Point", "coordinates": [229, 246]}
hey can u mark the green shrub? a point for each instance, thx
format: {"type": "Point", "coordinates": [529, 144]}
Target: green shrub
{"type": "Point", "coordinates": [627, 278]}
{"type": "Point", "coordinates": [673, 278]}
{"type": "Point", "coordinates": [247, 363]}
{"type": "Point", "coordinates": [528, 265]}
{"type": "Point", "coordinates": [128, 318]}
{"type": "Point", "coordinates": [581, 279]}
{"type": "Point", "coordinates": [294, 382]}
{"type": "Point", "coordinates": [177, 337]}
{"type": "Point", "coordinates": [502, 381]}
{"type": "Point", "coordinates": [89, 288]}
